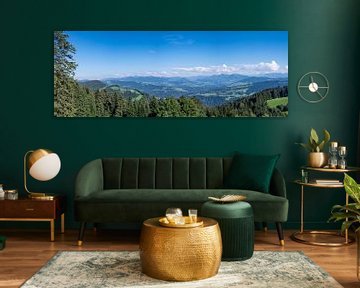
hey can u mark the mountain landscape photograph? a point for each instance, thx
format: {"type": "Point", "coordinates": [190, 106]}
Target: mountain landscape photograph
{"type": "Point", "coordinates": [170, 73]}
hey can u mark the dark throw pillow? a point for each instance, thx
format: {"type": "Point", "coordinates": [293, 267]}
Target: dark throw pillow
{"type": "Point", "coordinates": [251, 172]}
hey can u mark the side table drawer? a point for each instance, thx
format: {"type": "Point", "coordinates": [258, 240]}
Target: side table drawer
{"type": "Point", "coordinates": [30, 209]}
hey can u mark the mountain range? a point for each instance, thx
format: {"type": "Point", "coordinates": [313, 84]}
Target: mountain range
{"type": "Point", "coordinates": [212, 90]}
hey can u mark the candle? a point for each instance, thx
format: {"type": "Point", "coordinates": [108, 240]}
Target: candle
{"type": "Point", "coordinates": [342, 149]}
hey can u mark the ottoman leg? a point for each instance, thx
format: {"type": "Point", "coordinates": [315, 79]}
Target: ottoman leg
{"type": "Point", "coordinates": [265, 227]}
{"type": "Point", "coordinates": [95, 227]}
{"type": "Point", "coordinates": [280, 233]}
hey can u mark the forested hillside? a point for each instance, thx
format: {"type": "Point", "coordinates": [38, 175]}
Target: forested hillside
{"type": "Point", "coordinates": [73, 99]}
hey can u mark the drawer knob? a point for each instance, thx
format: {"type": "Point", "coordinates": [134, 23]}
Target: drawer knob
{"type": "Point", "coordinates": [29, 209]}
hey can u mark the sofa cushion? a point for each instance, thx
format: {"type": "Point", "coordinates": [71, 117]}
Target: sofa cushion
{"type": "Point", "coordinates": [251, 172]}
{"type": "Point", "coordinates": [266, 207]}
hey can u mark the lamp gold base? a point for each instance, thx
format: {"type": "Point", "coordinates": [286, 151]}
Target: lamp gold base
{"type": "Point", "coordinates": [41, 196]}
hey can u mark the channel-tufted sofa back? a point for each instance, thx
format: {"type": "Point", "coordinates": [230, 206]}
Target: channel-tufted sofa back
{"type": "Point", "coordinates": [164, 173]}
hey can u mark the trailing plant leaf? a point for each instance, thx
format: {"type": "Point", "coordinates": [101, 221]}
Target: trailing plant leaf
{"type": "Point", "coordinates": [350, 207]}
{"type": "Point", "coordinates": [346, 225]}
{"type": "Point", "coordinates": [352, 188]}
{"type": "Point", "coordinates": [350, 213]}
{"type": "Point", "coordinates": [337, 216]}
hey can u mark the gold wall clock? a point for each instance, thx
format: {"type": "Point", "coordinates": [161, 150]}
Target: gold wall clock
{"type": "Point", "coordinates": [313, 87]}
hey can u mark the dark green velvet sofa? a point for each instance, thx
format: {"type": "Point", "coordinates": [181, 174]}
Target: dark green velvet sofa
{"type": "Point", "coordinates": [130, 190]}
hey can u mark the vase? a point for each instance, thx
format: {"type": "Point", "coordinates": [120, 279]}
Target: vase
{"type": "Point", "coordinates": [317, 159]}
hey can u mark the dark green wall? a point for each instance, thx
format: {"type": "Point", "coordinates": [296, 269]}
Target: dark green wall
{"type": "Point", "coordinates": [323, 36]}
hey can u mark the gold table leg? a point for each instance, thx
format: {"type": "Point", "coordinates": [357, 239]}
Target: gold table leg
{"type": "Point", "coordinates": [63, 223]}
{"type": "Point", "coordinates": [302, 210]}
{"type": "Point", "coordinates": [52, 230]}
{"type": "Point", "coordinates": [346, 230]}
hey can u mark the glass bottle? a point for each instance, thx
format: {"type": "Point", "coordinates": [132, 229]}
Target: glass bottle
{"type": "Point", "coordinates": [333, 162]}
{"type": "Point", "coordinates": [342, 154]}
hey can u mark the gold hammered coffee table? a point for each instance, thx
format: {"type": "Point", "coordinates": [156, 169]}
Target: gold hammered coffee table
{"type": "Point", "coordinates": [180, 254]}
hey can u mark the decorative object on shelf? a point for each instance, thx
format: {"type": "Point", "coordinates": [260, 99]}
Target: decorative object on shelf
{"type": "Point", "coordinates": [304, 176]}
{"type": "Point", "coordinates": [332, 162]}
{"type": "Point", "coordinates": [11, 194]}
{"type": "Point", "coordinates": [2, 192]}
{"type": "Point", "coordinates": [228, 198]}
{"type": "Point", "coordinates": [327, 181]}
{"type": "Point", "coordinates": [313, 87]}
{"type": "Point", "coordinates": [43, 165]}
{"type": "Point", "coordinates": [350, 213]}
{"type": "Point", "coordinates": [316, 158]}
{"type": "Point", "coordinates": [342, 154]}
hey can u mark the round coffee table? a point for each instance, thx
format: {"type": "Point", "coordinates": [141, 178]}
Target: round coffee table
{"type": "Point", "coordinates": [180, 254]}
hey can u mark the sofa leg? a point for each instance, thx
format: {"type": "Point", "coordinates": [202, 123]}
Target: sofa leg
{"type": "Point", "coordinates": [280, 233]}
{"type": "Point", "coordinates": [81, 233]}
{"type": "Point", "coordinates": [265, 227]}
{"type": "Point", "coordinates": [95, 227]}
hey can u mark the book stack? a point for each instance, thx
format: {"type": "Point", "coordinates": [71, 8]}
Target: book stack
{"type": "Point", "coordinates": [327, 181]}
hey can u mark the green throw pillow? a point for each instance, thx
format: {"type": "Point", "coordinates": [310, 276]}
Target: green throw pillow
{"type": "Point", "coordinates": [251, 172]}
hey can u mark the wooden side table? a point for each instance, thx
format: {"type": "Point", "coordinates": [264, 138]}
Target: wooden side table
{"type": "Point", "coordinates": [26, 209]}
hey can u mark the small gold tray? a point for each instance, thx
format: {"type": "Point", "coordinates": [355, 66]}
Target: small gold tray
{"type": "Point", "coordinates": [165, 222]}
{"type": "Point", "coordinates": [228, 198]}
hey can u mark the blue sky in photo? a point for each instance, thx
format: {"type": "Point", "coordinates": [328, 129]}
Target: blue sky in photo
{"type": "Point", "coordinates": [107, 54]}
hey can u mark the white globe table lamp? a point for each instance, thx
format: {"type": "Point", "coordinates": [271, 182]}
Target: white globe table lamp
{"type": "Point", "coordinates": [43, 165]}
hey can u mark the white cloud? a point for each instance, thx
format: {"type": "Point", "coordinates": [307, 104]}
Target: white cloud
{"type": "Point", "coordinates": [208, 70]}
{"type": "Point", "coordinates": [262, 67]}
{"type": "Point", "coordinates": [247, 69]}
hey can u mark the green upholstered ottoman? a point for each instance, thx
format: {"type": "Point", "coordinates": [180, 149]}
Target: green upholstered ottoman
{"type": "Point", "coordinates": [236, 221]}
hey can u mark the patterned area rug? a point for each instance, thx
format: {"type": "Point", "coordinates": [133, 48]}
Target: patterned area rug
{"type": "Point", "coordinates": [122, 269]}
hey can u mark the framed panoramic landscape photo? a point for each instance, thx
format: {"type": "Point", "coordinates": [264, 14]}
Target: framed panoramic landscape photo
{"type": "Point", "coordinates": [170, 73]}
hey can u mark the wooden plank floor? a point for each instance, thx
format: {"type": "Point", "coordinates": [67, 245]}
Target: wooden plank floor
{"type": "Point", "coordinates": [28, 250]}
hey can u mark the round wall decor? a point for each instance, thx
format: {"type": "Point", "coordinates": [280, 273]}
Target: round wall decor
{"type": "Point", "coordinates": [313, 87]}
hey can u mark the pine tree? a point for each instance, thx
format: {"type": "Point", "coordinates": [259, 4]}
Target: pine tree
{"type": "Point", "coordinates": [64, 70]}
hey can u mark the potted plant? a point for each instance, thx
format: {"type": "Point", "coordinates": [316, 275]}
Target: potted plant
{"type": "Point", "coordinates": [317, 157]}
{"type": "Point", "coordinates": [350, 214]}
